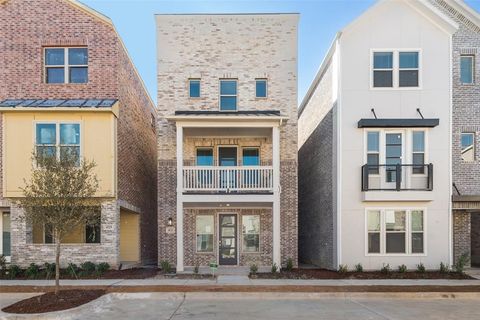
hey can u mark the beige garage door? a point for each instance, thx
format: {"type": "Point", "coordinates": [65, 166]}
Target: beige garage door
{"type": "Point", "coordinates": [129, 237]}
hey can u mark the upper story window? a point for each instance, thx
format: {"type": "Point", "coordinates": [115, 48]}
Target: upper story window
{"type": "Point", "coordinates": [66, 65]}
{"type": "Point", "coordinates": [260, 88]}
{"type": "Point", "coordinates": [194, 88]}
{"type": "Point", "coordinates": [228, 94]}
{"type": "Point", "coordinates": [468, 146]}
{"type": "Point", "coordinates": [418, 152]}
{"type": "Point", "coordinates": [373, 151]}
{"type": "Point", "coordinates": [204, 157]}
{"type": "Point", "coordinates": [467, 67]}
{"type": "Point", "coordinates": [251, 156]}
{"type": "Point", "coordinates": [396, 69]}
{"type": "Point", "coordinates": [58, 140]}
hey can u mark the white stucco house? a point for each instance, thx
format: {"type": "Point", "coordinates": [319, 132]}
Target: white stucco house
{"type": "Point", "coordinates": [375, 143]}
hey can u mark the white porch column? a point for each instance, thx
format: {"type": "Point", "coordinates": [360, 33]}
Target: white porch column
{"type": "Point", "coordinates": [179, 198]}
{"type": "Point", "coordinates": [276, 195]}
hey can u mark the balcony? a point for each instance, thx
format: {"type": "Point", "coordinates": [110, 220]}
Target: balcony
{"type": "Point", "coordinates": [228, 179]}
{"type": "Point", "coordinates": [397, 177]}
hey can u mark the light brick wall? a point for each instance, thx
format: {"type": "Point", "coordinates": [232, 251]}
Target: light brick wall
{"type": "Point", "coordinates": [461, 234]}
{"type": "Point", "coordinates": [211, 47]}
{"type": "Point", "coordinates": [25, 29]}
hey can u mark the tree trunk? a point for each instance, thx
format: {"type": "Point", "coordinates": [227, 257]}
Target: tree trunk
{"type": "Point", "coordinates": [57, 266]}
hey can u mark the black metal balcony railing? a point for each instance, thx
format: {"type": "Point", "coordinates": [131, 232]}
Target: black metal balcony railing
{"type": "Point", "coordinates": [397, 177]}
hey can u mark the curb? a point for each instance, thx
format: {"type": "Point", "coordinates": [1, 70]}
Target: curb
{"type": "Point", "coordinates": [258, 288]}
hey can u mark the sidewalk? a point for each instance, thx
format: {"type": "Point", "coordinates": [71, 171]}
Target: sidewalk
{"type": "Point", "coordinates": [244, 284]}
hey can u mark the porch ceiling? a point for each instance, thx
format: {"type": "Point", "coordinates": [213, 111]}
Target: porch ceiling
{"type": "Point", "coordinates": [227, 205]}
{"type": "Point", "coordinates": [227, 132]}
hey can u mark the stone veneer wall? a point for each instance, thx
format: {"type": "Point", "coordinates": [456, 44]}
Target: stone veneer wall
{"type": "Point", "coordinates": [25, 252]}
{"type": "Point", "coordinates": [200, 46]}
{"type": "Point", "coordinates": [261, 258]}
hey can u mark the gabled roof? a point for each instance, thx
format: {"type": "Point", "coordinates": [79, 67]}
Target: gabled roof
{"type": "Point", "coordinates": [423, 6]}
{"type": "Point", "coordinates": [465, 10]}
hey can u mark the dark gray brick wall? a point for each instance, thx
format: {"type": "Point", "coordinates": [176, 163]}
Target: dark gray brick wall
{"type": "Point", "coordinates": [316, 196]}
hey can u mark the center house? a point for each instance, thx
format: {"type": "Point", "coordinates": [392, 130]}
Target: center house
{"type": "Point", "coordinates": [227, 139]}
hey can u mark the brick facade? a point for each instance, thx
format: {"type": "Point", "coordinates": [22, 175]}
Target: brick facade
{"type": "Point", "coordinates": [466, 119]}
{"type": "Point", "coordinates": [25, 29]}
{"type": "Point", "coordinates": [200, 46]}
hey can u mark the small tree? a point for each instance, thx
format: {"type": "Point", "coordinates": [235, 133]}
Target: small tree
{"type": "Point", "coordinates": [60, 194]}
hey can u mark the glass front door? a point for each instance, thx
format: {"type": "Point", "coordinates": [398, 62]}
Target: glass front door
{"type": "Point", "coordinates": [228, 239]}
{"type": "Point", "coordinates": [393, 155]}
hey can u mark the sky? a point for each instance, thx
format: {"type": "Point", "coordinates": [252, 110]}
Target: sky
{"type": "Point", "coordinates": [319, 22]}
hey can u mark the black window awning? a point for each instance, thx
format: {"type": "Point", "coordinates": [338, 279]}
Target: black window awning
{"type": "Point", "coordinates": [398, 123]}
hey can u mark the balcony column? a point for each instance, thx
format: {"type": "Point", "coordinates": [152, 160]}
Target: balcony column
{"type": "Point", "coordinates": [179, 198]}
{"type": "Point", "coordinates": [276, 195]}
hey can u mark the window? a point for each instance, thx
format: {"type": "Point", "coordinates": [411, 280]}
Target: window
{"type": "Point", "coordinates": [204, 157]}
{"type": "Point", "coordinates": [251, 233]}
{"type": "Point", "coordinates": [204, 229]}
{"type": "Point", "coordinates": [66, 65]}
{"type": "Point", "coordinates": [58, 140]}
{"type": "Point", "coordinates": [251, 157]}
{"type": "Point", "coordinates": [392, 231]}
{"type": "Point", "coordinates": [373, 151]}
{"type": "Point", "coordinates": [418, 154]}
{"type": "Point", "coordinates": [373, 229]}
{"type": "Point", "coordinates": [395, 228]}
{"type": "Point", "coordinates": [468, 146]}
{"type": "Point", "coordinates": [194, 88]}
{"type": "Point", "coordinates": [48, 236]}
{"type": "Point", "coordinates": [396, 69]}
{"type": "Point", "coordinates": [382, 69]}
{"type": "Point", "coordinates": [228, 95]}
{"type": "Point", "coordinates": [261, 88]}
{"type": "Point", "coordinates": [467, 69]}
{"type": "Point", "coordinates": [92, 231]}
{"type": "Point", "coordinates": [408, 69]}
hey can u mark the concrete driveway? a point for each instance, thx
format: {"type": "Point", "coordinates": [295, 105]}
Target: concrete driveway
{"type": "Point", "coordinates": [264, 306]}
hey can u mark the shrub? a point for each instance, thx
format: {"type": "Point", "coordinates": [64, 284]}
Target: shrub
{"type": "Point", "coordinates": [343, 268]}
{"type": "Point", "coordinates": [102, 268]}
{"type": "Point", "coordinates": [3, 264]}
{"type": "Point", "coordinates": [73, 270]}
{"type": "Point", "coordinates": [289, 265]}
{"type": "Point", "coordinates": [420, 268]}
{"type": "Point", "coordinates": [49, 269]}
{"type": "Point", "coordinates": [196, 269]}
{"type": "Point", "coordinates": [462, 261]}
{"type": "Point", "coordinates": [253, 269]}
{"type": "Point", "coordinates": [88, 267]}
{"type": "Point", "coordinates": [165, 266]}
{"type": "Point", "coordinates": [444, 268]}
{"type": "Point", "coordinates": [358, 267]}
{"type": "Point", "coordinates": [14, 271]}
{"type": "Point", "coordinates": [32, 271]}
{"type": "Point", "coordinates": [274, 268]}
{"type": "Point", "coordinates": [402, 268]}
{"type": "Point", "coordinates": [386, 269]}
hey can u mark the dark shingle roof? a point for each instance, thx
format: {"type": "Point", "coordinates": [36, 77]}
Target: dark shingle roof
{"type": "Point", "coordinates": [57, 103]}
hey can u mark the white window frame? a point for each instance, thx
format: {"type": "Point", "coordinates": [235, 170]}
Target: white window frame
{"type": "Point", "coordinates": [472, 57]}
{"type": "Point", "coordinates": [473, 146]}
{"type": "Point", "coordinates": [266, 88]}
{"type": "Point", "coordinates": [259, 234]}
{"type": "Point", "coordinates": [411, 152]}
{"type": "Point", "coordinates": [396, 68]}
{"type": "Point", "coordinates": [220, 95]}
{"type": "Point", "coordinates": [57, 136]}
{"type": "Point", "coordinates": [66, 65]}
{"type": "Point", "coordinates": [213, 234]}
{"type": "Point", "coordinates": [199, 88]}
{"type": "Point", "coordinates": [379, 153]}
{"type": "Point", "coordinates": [408, 232]}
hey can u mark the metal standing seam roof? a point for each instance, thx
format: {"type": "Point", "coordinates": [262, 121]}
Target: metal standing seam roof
{"type": "Point", "coordinates": [57, 103]}
{"type": "Point", "coordinates": [273, 113]}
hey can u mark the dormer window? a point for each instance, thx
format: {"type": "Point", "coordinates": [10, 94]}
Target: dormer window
{"type": "Point", "coordinates": [66, 65]}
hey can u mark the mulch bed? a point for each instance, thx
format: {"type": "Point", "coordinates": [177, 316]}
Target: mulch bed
{"type": "Point", "coordinates": [134, 273]}
{"type": "Point", "coordinates": [48, 302]}
{"type": "Point", "coordinates": [372, 275]}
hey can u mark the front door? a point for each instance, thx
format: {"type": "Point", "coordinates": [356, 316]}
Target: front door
{"type": "Point", "coordinates": [228, 239]}
{"type": "Point", "coordinates": [227, 157]}
{"type": "Point", "coordinates": [393, 157]}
